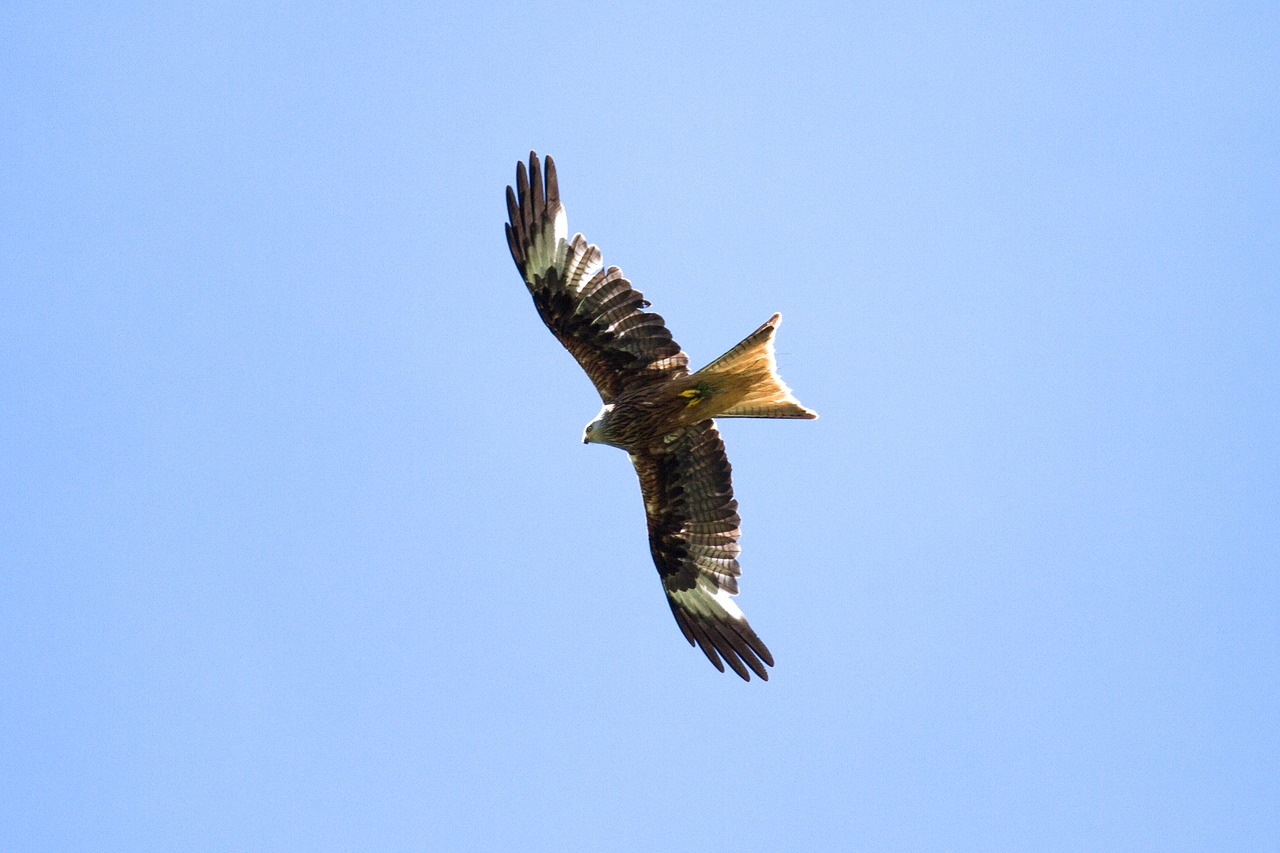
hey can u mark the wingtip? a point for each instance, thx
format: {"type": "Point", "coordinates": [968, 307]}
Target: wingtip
{"type": "Point", "coordinates": [545, 160]}
{"type": "Point", "coordinates": [553, 184]}
{"type": "Point", "coordinates": [522, 179]}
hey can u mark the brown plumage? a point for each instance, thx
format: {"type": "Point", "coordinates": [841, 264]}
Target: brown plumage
{"type": "Point", "coordinates": [657, 411]}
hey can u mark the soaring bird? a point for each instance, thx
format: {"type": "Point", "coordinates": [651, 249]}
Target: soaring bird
{"type": "Point", "coordinates": [657, 411]}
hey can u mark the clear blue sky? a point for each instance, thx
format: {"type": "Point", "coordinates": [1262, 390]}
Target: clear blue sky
{"type": "Point", "coordinates": [299, 545]}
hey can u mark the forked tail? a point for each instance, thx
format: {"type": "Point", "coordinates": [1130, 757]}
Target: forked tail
{"type": "Point", "coordinates": [749, 369]}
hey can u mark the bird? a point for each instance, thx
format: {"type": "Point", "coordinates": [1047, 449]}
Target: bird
{"type": "Point", "coordinates": [657, 411]}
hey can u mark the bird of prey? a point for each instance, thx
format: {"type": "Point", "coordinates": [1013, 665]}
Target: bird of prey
{"type": "Point", "coordinates": [657, 411]}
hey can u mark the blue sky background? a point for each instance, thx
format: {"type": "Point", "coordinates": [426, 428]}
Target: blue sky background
{"type": "Point", "coordinates": [299, 546]}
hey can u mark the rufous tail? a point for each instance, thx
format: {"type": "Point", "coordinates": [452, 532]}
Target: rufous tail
{"type": "Point", "coordinates": [750, 366]}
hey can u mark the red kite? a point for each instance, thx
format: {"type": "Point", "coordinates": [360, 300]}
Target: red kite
{"type": "Point", "coordinates": [657, 411]}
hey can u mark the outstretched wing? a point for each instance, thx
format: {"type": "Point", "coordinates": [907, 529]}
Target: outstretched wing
{"type": "Point", "coordinates": [594, 312]}
{"type": "Point", "coordinates": [693, 535]}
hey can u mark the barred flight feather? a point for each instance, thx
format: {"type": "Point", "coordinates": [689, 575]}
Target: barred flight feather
{"type": "Point", "coordinates": [657, 411]}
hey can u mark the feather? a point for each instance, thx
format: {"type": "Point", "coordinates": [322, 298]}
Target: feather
{"type": "Point", "coordinates": [657, 411]}
{"type": "Point", "coordinates": [597, 316]}
{"type": "Point", "coordinates": [693, 536]}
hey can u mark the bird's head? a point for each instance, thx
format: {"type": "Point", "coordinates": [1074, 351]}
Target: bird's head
{"type": "Point", "coordinates": [597, 432]}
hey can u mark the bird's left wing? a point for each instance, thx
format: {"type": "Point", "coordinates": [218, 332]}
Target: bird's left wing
{"type": "Point", "coordinates": [592, 311]}
{"type": "Point", "coordinates": [693, 535]}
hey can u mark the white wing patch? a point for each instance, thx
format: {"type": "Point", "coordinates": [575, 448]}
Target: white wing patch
{"type": "Point", "coordinates": [547, 247]}
{"type": "Point", "coordinates": [724, 598]}
{"type": "Point", "coordinates": [707, 600]}
{"type": "Point", "coordinates": [577, 262]}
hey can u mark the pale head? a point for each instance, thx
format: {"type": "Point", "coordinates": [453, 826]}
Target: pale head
{"type": "Point", "coordinates": [597, 432]}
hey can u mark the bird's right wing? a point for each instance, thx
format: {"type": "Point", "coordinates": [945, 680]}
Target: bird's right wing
{"type": "Point", "coordinates": [693, 535]}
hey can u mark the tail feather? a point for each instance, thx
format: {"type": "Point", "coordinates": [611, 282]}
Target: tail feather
{"type": "Point", "coordinates": [752, 364]}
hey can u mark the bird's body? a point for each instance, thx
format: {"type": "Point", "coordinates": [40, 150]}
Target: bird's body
{"type": "Point", "coordinates": [658, 412]}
